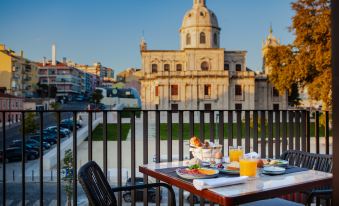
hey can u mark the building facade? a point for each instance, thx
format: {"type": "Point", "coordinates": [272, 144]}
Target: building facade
{"type": "Point", "coordinates": [11, 103]}
{"type": "Point", "coordinates": [17, 74]}
{"type": "Point", "coordinates": [201, 75]}
{"type": "Point", "coordinates": [104, 73]}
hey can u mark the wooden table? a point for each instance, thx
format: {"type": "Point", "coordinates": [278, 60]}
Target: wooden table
{"type": "Point", "coordinates": [262, 187]}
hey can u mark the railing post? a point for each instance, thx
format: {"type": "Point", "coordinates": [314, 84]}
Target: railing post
{"type": "Point", "coordinates": [247, 132]}
{"type": "Point", "coordinates": [133, 156]}
{"type": "Point", "coordinates": [58, 161]}
{"type": "Point", "coordinates": [41, 158]}
{"type": "Point", "coordinates": [119, 155]}
{"type": "Point", "coordinates": [157, 149]}
{"type": "Point", "coordinates": [105, 138]}
{"type": "Point", "coordinates": [181, 150]}
{"type": "Point", "coordinates": [255, 131]}
{"type": "Point", "coordinates": [316, 131]}
{"type": "Point", "coordinates": [270, 134]}
{"type": "Point", "coordinates": [23, 159]}
{"type": "Point", "coordinates": [284, 131]}
{"type": "Point", "coordinates": [4, 158]}
{"type": "Point", "coordinates": [75, 159]}
{"type": "Point", "coordinates": [308, 131]}
{"type": "Point", "coordinates": [239, 128]}
{"type": "Point", "coordinates": [263, 133]}
{"type": "Point", "coordinates": [145, 152]}
{"type": "Point", "coordinates": [277, 134]}
{"type": "Point", "coordinates": [327, 132]}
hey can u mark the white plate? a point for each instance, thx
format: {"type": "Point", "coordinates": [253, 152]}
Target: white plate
{"type": "Point", "coordinates": [196, 176]}
{"type": "Point", "coordinates": [274, 170]}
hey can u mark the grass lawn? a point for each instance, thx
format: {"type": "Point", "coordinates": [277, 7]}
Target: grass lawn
{"type": "Point", "coordinates": [112, 132]}
{"type": "Point", "coordinates": [175, 131]}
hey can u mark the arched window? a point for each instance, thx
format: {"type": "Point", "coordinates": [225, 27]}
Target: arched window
{"type": "Point", "coordinates": [204, 66]}
{"type": "Point", "coordinates": [154, 68]}
{"type": "Point", "coordinates": [166, 67]}
{"type": "Point", "coordinates": [188, 39]}
{"type": "Point", "coordinates": [179, 67]}
{"type": "Point", "coordinates": [202, 38]}
{"type": "Point", "coordinates": [215, 39]}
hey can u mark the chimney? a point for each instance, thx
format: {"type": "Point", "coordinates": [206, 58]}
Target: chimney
{"type": "Point", "coordinates": [44, 62]}
{"type": "Point", "coordinates": [64, 60]}
{"type": "Point", "coordinates": [53, 55]}
{"type": "Point", "coordinates": [21, 53]}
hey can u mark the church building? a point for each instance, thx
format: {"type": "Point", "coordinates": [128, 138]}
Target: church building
{"type": "Point", "coordinates": [203, 76]}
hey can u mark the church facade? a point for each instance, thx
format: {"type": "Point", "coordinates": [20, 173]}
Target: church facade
{"type": "Point", "coordinates": [201, 75]}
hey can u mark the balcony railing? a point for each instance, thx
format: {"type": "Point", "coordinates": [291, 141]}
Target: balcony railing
{"type": "Point", "coordinates": [120, 141]}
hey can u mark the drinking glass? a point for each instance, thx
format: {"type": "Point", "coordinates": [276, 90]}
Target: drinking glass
{"type": "Point", "coordinates": [235, 153]}
{"type": "Point", "coordinates": [248, 167]}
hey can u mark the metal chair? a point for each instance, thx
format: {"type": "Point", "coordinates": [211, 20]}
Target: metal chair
{"type": "Point", "coordinates": [319, 162]}
{"type": "Point", "coordinates": [98, 190]}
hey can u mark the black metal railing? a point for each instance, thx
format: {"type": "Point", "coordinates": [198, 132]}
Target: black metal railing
{"type": "Point", "coordinates": [265, 131]}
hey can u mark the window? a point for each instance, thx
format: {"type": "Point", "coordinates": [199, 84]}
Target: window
{"type": "Point", "coordinates": [275, 106]}
{"type": "Point", "coordinates": [215, 39]}
{"type": "Point", "coordinates": [202, 38]}
{"type": "Point", "coordinates": [238, 67]}
{"type": "Point", "coordinates": [207, 90]}
{"type": "Point", "coordinates": [154, 68]}
{"type": "Point", "coordinates": [226, 67]}
{"type": "Point", "coordinates": [156, 107]}
{"type": "Point", "coordinates": [208, 107]}
{"type": "Point", "coordinates": [174, 107]}
{"type": "Point", "coordinates": [166, 67]}
{"type": "Point", "coordinates": [275, 92]}
{"type": "Point", "coordinates": [238, 90]}
{"type": "Point", "coordinates": [204, 66]}
{"type": "Point", "coordinates": [157, 91]}
{"type": "Point", "coordinates": [179, 67]}
{"type": "Point", "coordinates": [188, 39]}
{"type": "Point", "coordinates": [174, 90]}
{"type": "Point", "coordinates": [238, 106]}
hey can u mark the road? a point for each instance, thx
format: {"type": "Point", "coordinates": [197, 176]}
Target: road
{"type": "Point", "coordinates": [13, 132]}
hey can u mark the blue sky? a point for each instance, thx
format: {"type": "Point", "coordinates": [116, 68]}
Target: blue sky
{"type": "Point", "coordinates": [109, 31]}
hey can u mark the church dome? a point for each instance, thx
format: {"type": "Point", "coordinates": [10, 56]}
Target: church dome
{"type": "Point", "coordinates": [200, 15]}
{"type": "Point", "coordinates": [200, 28]}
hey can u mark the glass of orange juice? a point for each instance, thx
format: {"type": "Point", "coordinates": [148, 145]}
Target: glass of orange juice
{"type": "Point", "coordinates": [248, 167]}
{"type": "Point", "coordinates": [235, 153]}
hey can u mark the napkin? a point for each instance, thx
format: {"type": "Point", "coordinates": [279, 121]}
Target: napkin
{"type": "Point", "coordinates": [201, 184]}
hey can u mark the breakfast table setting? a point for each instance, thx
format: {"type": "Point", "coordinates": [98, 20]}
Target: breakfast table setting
{"type": "Point", "coordinates": [235, 178]}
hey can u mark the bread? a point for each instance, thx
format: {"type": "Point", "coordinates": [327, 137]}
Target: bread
{"type": "Point", "coordinates": [260, 163]}
{"type": "Point", "coordinates": [195, 141]}
{"type": "Point", "coordinates": [233, 166]}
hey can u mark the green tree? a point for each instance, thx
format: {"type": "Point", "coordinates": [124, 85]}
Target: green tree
{"type": "Point", "coordinates": [306, 62]}
{"type": "Point", "coordinates": [97, 96]}
{"type": "Point", "coordinates": [31, 124]}
{"type": "Point", "coordinates": [68, 175]}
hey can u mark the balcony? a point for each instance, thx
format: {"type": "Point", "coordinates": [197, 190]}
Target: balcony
{"type": "Point", "coordinates": [122, 141]}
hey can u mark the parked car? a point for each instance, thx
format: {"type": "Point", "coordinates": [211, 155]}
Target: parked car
{"type": "Point", "coordinates": [69, 124]}
{"type": "Point", "coordinates": [47, 139]}
{"type": "Point", "coordinates": [62, 129]}
{"type": "Point", "coordinates": [55, 133]}
{"type": "Point", "coordinates": [17, 143]}
{"type": "Point", "coordinates": [151, 193]}
{"type": "Point", "coordinates": [31, 143]}
{"type": "Point", "coordinates": [14, 154]}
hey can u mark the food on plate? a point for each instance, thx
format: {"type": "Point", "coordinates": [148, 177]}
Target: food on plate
{"type": "Point", "coordinates": [233, 166]}
{"type": "Point", "coordinates": [218, 155]}
{"type": "Point", "coordinates": [194, 161]}
{"type": "Point", "coordinates": [195, 141]}
{"type": "Point", "coordinates": [198, 171]}
{"type": "Point", "coordinates": [270, 162]}
{"type": "Point", "coordinates": [196, 166]}
{"type": "Point", "coordinates": [260, 163]}
{"type": "Point", "coordinates": [220, 166]}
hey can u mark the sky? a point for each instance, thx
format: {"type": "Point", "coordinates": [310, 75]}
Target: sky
{"type": "Point", "coordinates": [109, 31]}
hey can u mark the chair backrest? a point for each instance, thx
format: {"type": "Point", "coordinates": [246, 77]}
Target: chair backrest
{"type": "Point", "coordinates": [319, 162]}
{"type": "Point", "coordinates": [95, 185]}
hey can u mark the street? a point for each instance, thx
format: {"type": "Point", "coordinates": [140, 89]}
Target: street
{"type": "Point", "coordinates": [13, 132]}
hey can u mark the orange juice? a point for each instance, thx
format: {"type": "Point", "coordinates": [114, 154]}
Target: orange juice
{"type": "Point", "coordinates": [235, 155]}
{"type": "Point", "coordinates": [248, 167]}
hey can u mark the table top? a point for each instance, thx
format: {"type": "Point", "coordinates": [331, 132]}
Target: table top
{"type": "Point", "coordinates": [263, 186]}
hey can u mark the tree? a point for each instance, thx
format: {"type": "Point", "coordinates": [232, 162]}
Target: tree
{"type": "Point", "coordinates": [68, 175]}
{"type": "Point", "coordinates": [31, 125]}
{"type": "Point", "coordinates": [44, 90]}
{"type": "Point", "coordinates": [306, 62]}
{"type": "Point", "coordinates": [97, 96]}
